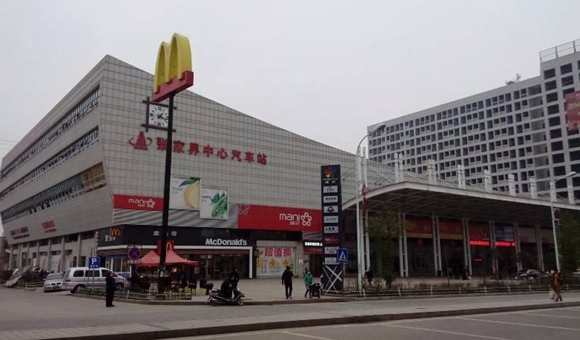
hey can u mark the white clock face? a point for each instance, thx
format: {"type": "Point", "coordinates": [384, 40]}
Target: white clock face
{"type": "Point", "coordinates": [158, 116]}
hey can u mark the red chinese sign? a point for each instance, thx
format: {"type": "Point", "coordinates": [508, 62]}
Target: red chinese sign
{"type": "Point", "coordinates": [419, 227]}
{"type": "Point", "coordinates": [450, 229]}
{"type": "Point", "coordinates": [261, 217]}
{"type": "Point", "coordinates": [137, 202]}
{"type": "Point", "coordinates": [142, 143]}
{"type": "Point", "coordinates": [49, 226]}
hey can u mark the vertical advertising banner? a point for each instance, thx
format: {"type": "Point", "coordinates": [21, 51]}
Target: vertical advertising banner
{"type": "Point", "coordinates": [331, 207]}
{"type": "Point", "coordinates": [184, 193]}
{"type": "Point", "coordinates": [573, 110]}
{"type": "Point", "coordinates": [214, 204]}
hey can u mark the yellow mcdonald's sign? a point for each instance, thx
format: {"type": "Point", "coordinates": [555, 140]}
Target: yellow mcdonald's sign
{"type": "Point", "coordinates": [115, 232]}
{"type": "Point", "coordinates": [173, 70]}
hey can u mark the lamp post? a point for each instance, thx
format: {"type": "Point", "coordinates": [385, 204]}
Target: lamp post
{"type": "Point", "coordinates": [552, 198]}
{"type": "Point", "coordinates": [359, 231]}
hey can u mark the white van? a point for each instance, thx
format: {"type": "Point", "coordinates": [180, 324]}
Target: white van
{"type": "Point", "coordinates": [76, 278]}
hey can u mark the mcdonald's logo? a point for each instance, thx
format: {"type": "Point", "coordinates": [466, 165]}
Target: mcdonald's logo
{"type": "Point", "coordinates": [169, 246]}
{"type": "Point", "coordinates": [173, 69]}
{"type": "Point", "coordinates": [115, 232]}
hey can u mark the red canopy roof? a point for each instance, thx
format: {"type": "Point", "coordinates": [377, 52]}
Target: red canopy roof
{"type": "Point", "coordinates": [151, 259]}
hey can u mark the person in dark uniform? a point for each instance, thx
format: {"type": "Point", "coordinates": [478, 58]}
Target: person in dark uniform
{"type": "Point", "coordinates": [110, 290]}
{"type": "Point", "coordinates": [287, 282]}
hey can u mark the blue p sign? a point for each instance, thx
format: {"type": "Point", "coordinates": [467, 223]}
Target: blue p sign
{"type": "Point", "coordinates": [94, 262]}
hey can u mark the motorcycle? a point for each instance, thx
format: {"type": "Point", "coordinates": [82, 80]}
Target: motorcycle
{"type": "Point", "coordinates": [216, 296]}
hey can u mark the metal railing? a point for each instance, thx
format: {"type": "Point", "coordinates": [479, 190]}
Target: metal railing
{"type": "Point", "coordinates": [560, 51]}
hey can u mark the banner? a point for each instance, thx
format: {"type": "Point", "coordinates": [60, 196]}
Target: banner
{"type": "Point", "coordinates": [272, 261]}
{"type": "Point", "coordinates": [184, 193]}
{"type": "Point", "coordinates": [214, 204]}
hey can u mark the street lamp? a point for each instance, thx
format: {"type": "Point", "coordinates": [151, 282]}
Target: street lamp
{"type": "Point", "coordinates": [552, 197]}
{"type": "Point", "coordinates": [359, 231]}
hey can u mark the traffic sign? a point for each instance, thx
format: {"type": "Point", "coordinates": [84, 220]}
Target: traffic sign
{"type": "Point", "coordinates": [342, 255]}
{"type": "Point", "coordinates": [94, 262]}
{"type": "Point", "coordinates": [133, 253]}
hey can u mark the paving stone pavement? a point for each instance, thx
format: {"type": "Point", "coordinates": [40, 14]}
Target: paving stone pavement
{"type": "Point", "coordinates": [156, 322]}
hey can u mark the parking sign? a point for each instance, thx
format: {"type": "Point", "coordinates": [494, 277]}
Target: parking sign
{"type": "Point", "coordinates": [94, 262]}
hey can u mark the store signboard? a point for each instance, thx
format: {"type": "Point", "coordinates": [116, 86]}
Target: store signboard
{"type": "Point", "coordinates": [272, 261]}
{"type": "Point", "coordinates": [261, 217]}
{"type": "Point", "coordinates": [214, 204]}
{"type": "Point", "coordinates": [133, 202]}
{"type": "Point", "coordinates": [331, 206]}
{"type": "Point", "coordinates": [450, 229]}
{"type": "Point", "coordinates": [419, 227]}
{"type": "Point", "coordinates": [184, 193]}
{"type": "Point", "coordinates": [478, 230]}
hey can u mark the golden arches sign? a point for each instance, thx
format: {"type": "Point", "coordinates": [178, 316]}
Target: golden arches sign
{"type": "Point", "coordinates": [173, 69]}
{"type": "Point", "coordinates": [115, 232]}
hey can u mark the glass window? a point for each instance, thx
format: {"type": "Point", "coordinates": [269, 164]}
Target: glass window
{"type": "Point", "coordinates": [551, 73]}
{"type": "Point", "coordinates": [565, 68]}
{"type": "Point", "coordinates": [78, 273]}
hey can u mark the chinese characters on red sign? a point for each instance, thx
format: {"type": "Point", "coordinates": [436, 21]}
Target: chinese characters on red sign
{"type": "Point", "coordinates": [278, 252]}
{"type": "Point", "coordinates": [141, 143]}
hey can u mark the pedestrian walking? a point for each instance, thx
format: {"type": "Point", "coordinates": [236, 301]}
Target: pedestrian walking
{"type": "Point", "coordinates": [308, 280]}
{"type": "Point", "coordinates": [287, 282]}
{"type": "Point", "coordinates": [557, 285]}
{"type": "Point", "coordinates": [110, 290]}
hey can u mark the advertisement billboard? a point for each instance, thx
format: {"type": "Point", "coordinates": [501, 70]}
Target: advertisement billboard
{"type": "Point", "coordinates": [272, 261]}
{"type": "Point", "coordinates": [214, 204]}
{"type": "Point", "coordinates": [184, 193]}
{"type": "Point", "coordinates": [573, 110]}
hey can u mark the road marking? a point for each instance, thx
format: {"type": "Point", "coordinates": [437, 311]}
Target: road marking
{"type": "Point", "coordinates": [306, 335]}
{"type": "Point", "coordinates": [521, 324]}
{"type": "Point", "coordinates": [552, 316]}
{"type": "Point", "coordinates": [448, 332]}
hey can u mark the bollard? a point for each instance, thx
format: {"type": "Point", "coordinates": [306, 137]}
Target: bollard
{"type": "Point", "coordinates": [431, 290]}
{"type": "Point", "coordinates": [459, 290]}
{"type": "Point", "coordinates": [529, 288]}
{"type": "Point", "coordinates": [485, 289]}
{"type": "Point", "coordinates": [509, 291]}
{"type": "Point", "coordinates": [399, 291]}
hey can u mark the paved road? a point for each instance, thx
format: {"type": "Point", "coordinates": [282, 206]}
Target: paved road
{"type": "Point", "coordinates": [561, 324]}
{"type": "Point", "coordinates": [36, 315]}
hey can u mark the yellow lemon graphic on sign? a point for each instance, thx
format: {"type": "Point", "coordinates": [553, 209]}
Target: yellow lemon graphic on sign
{"type": "Point", "coordinates": [191, 195]}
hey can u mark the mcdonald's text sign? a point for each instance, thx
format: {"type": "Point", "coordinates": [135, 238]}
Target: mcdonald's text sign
{"type": "Point", "coordinates": [173, 69]}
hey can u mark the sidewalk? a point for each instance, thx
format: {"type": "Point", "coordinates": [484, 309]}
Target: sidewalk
{"type": "Point", "coordinates": [204, 320]}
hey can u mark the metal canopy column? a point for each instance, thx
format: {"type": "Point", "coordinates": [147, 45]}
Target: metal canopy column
{"type": "Point", "coordinates": [436, 244]}
{"type": "Point", "coordinates": [466, 246]}
{"type": "Point", "coordinates": [518, 248]}
{"type": "Point", "coordinates": [539, 248]}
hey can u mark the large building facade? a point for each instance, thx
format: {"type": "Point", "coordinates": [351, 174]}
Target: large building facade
{"type": "Point", "coordinates": [519, 129]}
{"type": "Point", "coordinates": [88, 180]}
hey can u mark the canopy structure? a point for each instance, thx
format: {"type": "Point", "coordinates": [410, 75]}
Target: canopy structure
{"type": "Point", "coordinates": [151, 259]}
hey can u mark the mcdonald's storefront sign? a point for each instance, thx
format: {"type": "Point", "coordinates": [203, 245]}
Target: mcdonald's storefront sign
{"type": "Point", "coordinates": [173, 69]}
{"type": "Point", "coordinates": [115, 233]}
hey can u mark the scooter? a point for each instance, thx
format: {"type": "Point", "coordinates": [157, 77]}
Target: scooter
{"type": "Point", "coordinates": [215, 296]}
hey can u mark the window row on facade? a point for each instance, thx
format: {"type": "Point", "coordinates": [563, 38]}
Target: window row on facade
{"type": "Point", "coordinates": [60, 158]}
{"type": "Point", "coordinates": [73, 116]}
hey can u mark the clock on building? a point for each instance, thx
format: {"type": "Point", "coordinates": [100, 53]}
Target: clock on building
{"type": "Point", "coordinates": [158, 116]}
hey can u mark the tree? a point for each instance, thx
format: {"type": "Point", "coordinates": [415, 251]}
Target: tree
{"type": "Point", "coordinates": [568, 233]}
{"type": "Point", "coordinates": [384, 230]}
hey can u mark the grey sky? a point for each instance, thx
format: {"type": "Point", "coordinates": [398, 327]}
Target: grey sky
{"type": "Point", "coordinates": [322, 69]}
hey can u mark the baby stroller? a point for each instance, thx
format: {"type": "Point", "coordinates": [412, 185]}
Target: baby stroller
{"type": "Point", "coordinates": [315, 290]}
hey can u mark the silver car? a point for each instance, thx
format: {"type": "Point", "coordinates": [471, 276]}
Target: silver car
{"type": "Point", "coordinates": [53, 282]}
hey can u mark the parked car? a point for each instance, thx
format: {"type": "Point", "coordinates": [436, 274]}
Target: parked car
{"type": "Point", "coordinates": [53, 282]}
{"type": "Point", "coordinates": [530, 274]}
{"type": "Point", "coordinates": [77, 278]}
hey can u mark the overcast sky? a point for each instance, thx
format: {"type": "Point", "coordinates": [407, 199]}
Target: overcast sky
{"type": "Point", "coordinates": [322, 69]}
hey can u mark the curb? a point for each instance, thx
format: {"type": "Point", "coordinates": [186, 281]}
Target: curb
{"type": "Point", "coordinates": [189, 332]}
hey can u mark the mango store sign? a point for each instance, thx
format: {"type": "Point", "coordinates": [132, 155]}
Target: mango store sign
{"type": "Point", "coordinates": [142, 142]}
